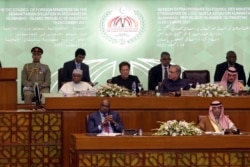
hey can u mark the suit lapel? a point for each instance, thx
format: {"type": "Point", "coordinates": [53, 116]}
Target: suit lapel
{"type": "Point", "coordinates": [98, 118]}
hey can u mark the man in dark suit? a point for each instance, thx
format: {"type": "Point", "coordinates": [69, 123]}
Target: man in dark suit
{"type": "Point", "coordinates": [69, 66]}
{"type": "Point", "coordinates": [231, 61]}
{"type": "Point", "coordinates": [104, 120]}
{"type": "Point", "coordinates": [157, 73]}
{"type": "Point", "coordinates": [248, 81]}
{"type": "Point", "coordinates": [125, 79]}
{"type": "Point", "coordinates": [174, 84]}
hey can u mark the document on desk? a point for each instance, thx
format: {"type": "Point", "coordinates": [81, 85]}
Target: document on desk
{"type": "Point", "coordinates": [214, 133]}
{"type": "Point", "coordinates": [108, 134]}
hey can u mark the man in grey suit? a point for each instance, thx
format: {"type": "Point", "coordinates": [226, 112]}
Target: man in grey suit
{"type": "Point", "coordinates": [104, 120]}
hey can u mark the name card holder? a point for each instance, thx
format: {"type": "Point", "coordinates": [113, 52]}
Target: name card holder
{"type": "Point", "coordinates": [189, 93]}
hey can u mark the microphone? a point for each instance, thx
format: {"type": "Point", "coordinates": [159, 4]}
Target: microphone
{"type": "Point", "coordinates": [95, 83]}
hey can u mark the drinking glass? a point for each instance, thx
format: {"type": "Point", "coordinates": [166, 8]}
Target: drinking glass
{"type": "Point", "coordinates": [140, 86]}
{"type": "Point", "coordinates": [190, 84]}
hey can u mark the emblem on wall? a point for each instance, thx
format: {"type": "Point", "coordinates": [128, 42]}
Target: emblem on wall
{"type": "Point", "coordinates": [122, 26]}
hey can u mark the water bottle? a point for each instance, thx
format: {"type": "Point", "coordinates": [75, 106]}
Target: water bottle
{"type": "Point", "coordinates": [140, 132]}
{"type": "Point", "coordinates": [134, 89]}
{"type": "Point", "coordinates": [197, 85]}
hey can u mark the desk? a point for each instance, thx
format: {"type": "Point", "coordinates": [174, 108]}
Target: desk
{"type": "Point", "coordinates": [146, 103]}
{"type": "Point", "coordinates": [143, 112]}
{"type": "Point", "coordinates": [143, 151]}
{"type": "Point", "coordinates": [8, 88]}
{"type": "Point", "coordinates": [44, 136]}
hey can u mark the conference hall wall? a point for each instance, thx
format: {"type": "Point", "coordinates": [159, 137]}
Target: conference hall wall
{"type": "Point", "coordinates": [197, 34]}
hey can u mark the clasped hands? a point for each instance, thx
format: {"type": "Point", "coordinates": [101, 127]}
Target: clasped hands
{"type": "Point", "coordinates": [108, 118]}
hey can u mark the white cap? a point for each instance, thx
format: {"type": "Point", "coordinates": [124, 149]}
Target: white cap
{"type": "Point", "coordinates": [77, 71]}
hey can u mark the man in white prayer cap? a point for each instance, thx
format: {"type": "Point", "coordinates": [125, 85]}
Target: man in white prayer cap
{"type": "Point", "coordinates": [76, 86]}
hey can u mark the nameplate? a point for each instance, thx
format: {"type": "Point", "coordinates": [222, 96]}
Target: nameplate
{"type": "Point", "coordinates": [189, 93]}
{"type": "Point", "coordinates": [81, 93]}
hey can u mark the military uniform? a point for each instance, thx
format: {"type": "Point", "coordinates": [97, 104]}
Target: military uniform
{"type": "Point", "coordinates": [35, 72]}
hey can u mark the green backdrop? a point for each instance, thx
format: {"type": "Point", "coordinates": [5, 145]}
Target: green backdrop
{"type": "Point", "coordinates": [197, 33]}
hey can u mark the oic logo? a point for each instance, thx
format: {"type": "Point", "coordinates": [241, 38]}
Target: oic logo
{"type": "Point", "coordinates": [122, 26]}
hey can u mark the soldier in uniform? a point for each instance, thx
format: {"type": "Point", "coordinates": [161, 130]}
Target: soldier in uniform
{"type": "Point", "coordinates": [35, 72]}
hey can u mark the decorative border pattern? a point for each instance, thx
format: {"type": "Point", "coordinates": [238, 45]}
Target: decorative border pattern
{"type": "Point", "coordinates": [163, 158]}
{"type": "Point", "coordinates": [30, 139]}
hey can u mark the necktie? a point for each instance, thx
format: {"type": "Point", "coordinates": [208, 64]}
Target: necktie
{"type": "Point", "coordinates": [165, 72]}
{"type": "Point", "coordinates": [106, 126]}
{"type": "Point", "coordinates": [78, 65]}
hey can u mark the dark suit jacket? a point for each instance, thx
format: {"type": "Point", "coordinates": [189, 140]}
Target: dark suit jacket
{"type": "Point", "coordinates": [95, 119]}
{"type": "Point", "coordinates": [127, 83]}
{"type": "Point", "coordinates": [68, 68]}
{"type": "Point", "coordinates": [248, 81]}
{"type": "Point", "coordinates": [221, 68]}
{"type": "Point", "coordinates": [154, 76]}
{"type": "Point", "coordinates": [173, 86]}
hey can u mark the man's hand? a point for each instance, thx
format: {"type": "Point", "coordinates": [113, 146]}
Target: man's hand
{"type": "Point", "coordinates": [110, 119]}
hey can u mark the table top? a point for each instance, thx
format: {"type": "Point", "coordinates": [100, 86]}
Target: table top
{"type": "Point", "coordinates": [147, 141]}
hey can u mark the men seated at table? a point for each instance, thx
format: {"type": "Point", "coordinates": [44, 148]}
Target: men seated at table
{"type": "Point", "coordinates": [76, 85]}
{"type": "Point", "coordinates": [230, 81]}
{"type": "Point", "coordinates": [125, 79]}
{"type": "Point", "coordinates": [174, 83]}
{"type": "Point", "coordinates": [104, 120]}
{"type": "Point", "coordinates": [216, 121]}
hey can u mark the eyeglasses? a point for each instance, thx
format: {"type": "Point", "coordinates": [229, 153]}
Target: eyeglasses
{"type": "Point", "coordinates": [172, 72]}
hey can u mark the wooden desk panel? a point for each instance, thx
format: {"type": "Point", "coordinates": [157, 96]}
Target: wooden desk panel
{"type": "Point", "coordinates": [143, 112]}
{"type": "Point", "coordinates": [91, 142]}
{"type": "Point", "coordinates": [141, 151]}
{"type": "Point", "coordinates": [30, 139]}
{"type": "Point", "coordinates": [8, 88]}
{"type": "Point", "coordinates": [146, 103]}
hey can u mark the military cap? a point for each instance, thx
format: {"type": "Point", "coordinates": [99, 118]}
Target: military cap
{"type": "Point", "coordinates": [37, 49]}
